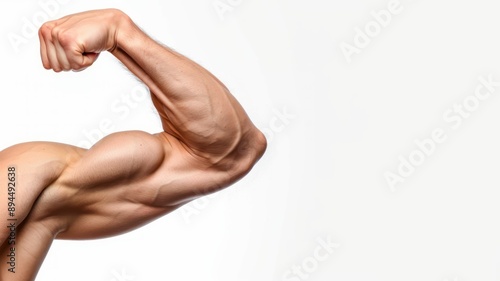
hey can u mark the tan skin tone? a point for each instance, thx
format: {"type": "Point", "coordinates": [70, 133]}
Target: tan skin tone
{"type": "Point", "coordinates": [130, 178]}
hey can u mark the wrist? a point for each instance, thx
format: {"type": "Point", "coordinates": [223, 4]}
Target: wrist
{"type": "Point", "coordinates": [126, 32]}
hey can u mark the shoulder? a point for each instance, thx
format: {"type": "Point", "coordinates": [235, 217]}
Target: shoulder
{"type": "Point", "coordinates": [49, 157]}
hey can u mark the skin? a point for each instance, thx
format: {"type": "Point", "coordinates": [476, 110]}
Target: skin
{"type": "Point", "coordinates": [129, 178]}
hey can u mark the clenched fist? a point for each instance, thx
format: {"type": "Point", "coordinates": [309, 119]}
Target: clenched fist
{"type": "Point", "coordinates": [75, 41]}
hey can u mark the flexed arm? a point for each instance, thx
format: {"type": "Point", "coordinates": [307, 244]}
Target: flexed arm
{"type": "Point", "coordinates": [194, 105]}
{"type": "Point", "coordinates": [196, 109]}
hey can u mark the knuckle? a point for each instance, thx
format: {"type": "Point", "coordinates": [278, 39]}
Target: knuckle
{"type": "Point", "coordinates": [47, 26]}
{"type": "Point", "coordinates": [62, 36]}
{"type": "Point", "coordinates": [44, 30]}
{"type": "Point", "coordinates": [55, 31]}
{"type": "Point", "coordinates": [65, 38]}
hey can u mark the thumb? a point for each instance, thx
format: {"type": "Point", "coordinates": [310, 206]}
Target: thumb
{"type": "Point", "coordinates": [87, 60]}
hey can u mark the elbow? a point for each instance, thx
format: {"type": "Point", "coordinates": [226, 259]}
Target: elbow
{"type": "Point", "coordinates": [260, 144]}
{"type": "Point", "coordinates": [253, 146]}
{"type": "Point", "coordinates": [250, 149]}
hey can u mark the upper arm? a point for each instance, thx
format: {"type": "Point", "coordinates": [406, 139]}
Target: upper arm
{"type": "Point", "coordinates": [158, 170]}
{"type": "Point", "coordinates": [186, 176]}
{"type": "Point", "coordinates": [117, 158]}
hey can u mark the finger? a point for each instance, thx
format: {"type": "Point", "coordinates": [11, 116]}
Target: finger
{"type": "Point", "coordinates": [63, 44]}
{"type": "Point", "coordinates": [49, 50]}
{"type": "Point", "coordinates": [62, 57]}
{"type": "Point", "coordinates": [43, 47]}
{"type": "Point", "coordinates": [52, 56]}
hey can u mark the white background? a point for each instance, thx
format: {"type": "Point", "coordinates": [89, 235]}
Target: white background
{"type": "Point", "coordinates": [346, 126]}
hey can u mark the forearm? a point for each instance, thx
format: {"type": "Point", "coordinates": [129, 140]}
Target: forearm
{"type": "Point", "coordinates": [198, 108]}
